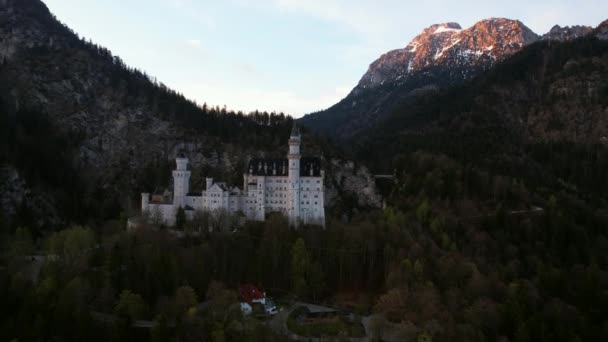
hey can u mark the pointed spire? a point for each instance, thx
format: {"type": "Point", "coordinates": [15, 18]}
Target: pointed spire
{"type": "Point", "coordinates": [295, 130]}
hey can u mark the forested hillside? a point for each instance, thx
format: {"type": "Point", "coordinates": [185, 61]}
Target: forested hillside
{"type": "Point", "coordinates": [83, 134]}
{"type": "Point", "coordinates": [504, 180]}
{"type": "Point", "coordinates": [540, 116]}
{"type": "Point", "coordinates": [441, 56]}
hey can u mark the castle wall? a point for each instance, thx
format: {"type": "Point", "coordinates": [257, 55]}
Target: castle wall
{"type": "Point", "coordinates": [162, 213]}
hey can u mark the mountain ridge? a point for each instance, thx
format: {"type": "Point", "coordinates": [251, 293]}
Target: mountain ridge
{"type": "Point", "coordinates": [442, 55]}
{"type": "Point", "coordinates": [493, 38]}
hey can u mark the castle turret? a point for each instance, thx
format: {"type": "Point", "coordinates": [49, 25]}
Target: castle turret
{"type": "Point", "coordinates": [181, 181]}
{"type": "Point", "coordinates": [145, 201]}
{"type": "Point", "coordinates": [208, 183]}
{"type": "Point", "coordinates": [294, 174]}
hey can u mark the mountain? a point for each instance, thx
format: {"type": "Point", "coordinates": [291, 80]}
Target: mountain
{"type": "Point", "coordinates": [602, 30]}
{"type": "Point", "coordinates": [441, 56]}
{"type": "Point", "coordinates": [477, 47]}
{"type": "Point", "coordinates": [567, 33]}
{"type": "Point", "coordinates": [494, 227]}
{"type": "Point", "coordinates": [83, 134]}
{"type": "Point", "coordinates": [540, 116]}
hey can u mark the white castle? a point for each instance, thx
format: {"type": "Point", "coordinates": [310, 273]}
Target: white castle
{"type": "Point", "coordinates": [292, 186]}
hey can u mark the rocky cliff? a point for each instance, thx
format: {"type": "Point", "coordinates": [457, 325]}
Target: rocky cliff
{"type": "Point", "coordinates": [602, 30]}
{"type": "Point", "coordinates": [567, 33]}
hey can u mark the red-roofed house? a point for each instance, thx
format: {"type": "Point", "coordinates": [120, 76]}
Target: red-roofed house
{"type": "Point", "coordinates": [251, 294]}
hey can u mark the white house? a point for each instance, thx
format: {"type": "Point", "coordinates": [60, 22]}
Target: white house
{"type": "Point", "coordinates": [292, 186]}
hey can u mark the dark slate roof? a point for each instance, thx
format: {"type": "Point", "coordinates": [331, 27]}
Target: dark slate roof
{"type": "Point", "coordinates": [309, 164]}
{"type": "Point", "coordinates": [268, 167]}
{"type": "Point", "coordinates": [222, 186]}
{"type": "Point", "coordinates": [278, 167]}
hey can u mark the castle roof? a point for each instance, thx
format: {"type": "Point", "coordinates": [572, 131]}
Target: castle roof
{"type": "Point", "coordinates": [219, 186]}
{"type": "Point", "coordinates": [309, 167]}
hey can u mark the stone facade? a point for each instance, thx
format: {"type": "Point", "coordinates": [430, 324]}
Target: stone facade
{"type": "Point", "coordinates": [293, 187]}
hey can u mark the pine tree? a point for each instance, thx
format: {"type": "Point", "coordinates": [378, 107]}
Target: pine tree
{"type": "Point", "coordinates": [180, 219]}
{"type": "Point", "coordinates": [300, 264]}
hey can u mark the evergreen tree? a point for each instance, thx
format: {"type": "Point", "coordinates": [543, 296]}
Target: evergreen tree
{"type": "Point", "coordinates": [180, 218]}
{"type": "Point", "coordinates": [300, 265]}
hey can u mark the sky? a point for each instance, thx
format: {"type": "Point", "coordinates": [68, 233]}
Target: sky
{"type": "Point", "coordinates": [291, 56]}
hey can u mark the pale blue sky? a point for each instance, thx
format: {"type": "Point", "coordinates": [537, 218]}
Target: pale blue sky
{"type": "Point", "coordinates": [295, 56]}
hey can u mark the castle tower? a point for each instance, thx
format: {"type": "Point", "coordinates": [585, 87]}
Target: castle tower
{"type": "Point", "coordinates": [181, 181]}
{"type": "Point", "coordinates": [208, 183]}
{"type": "Point", "coordinates": [294, 175]}
{"type": "Point", "coordinates": [145, 201]}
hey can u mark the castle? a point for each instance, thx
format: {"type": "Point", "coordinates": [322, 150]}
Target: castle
{"type": "Point", "coordinates": [292, 186]}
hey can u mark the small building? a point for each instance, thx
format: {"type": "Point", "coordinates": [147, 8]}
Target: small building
{"type": "Point", "coordinates": [251, 294]}
{"type": "Point", "coordinates": [313, 311]}
{"type": "Point", "coordinates": [251, 297]}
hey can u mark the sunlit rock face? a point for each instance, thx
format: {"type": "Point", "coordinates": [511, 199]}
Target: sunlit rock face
{"type": "Point", "coordinates": [567, 33]}
{"type": "Point", "coordinates": [440, 56]}
{"type": "Point", "coordinates": [602, 30]}
{"type": "Point", "coordinates": [471, 49]}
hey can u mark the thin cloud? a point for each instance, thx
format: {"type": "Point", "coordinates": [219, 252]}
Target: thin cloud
{"type": "Point", "coordinates": [248, 69]}
{"type": "Point", "coordinates": [195, 43]}
{"type": "Point", "coordinates": [358, 17]}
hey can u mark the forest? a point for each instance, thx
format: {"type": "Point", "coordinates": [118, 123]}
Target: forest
{"type": "Point", "coordinates": [492, 231]}
{"type": "Point", "coordinates": [516, 275]}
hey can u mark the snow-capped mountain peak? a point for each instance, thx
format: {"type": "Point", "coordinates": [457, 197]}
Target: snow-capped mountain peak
{"type": "Point", "coordinates": [447, 27]}
{"type": "Point", "coordinates": [447, 44]}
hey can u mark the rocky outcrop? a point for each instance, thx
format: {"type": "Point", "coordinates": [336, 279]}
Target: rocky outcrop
{"type": "Point", "coordinates": [17, 197]}
{"type": "Point", "coordinates": [602, 30]}
{"type": "Point", "coordinates": [567, 33]}
{"type": "Point", "coordinates": [347, 180]}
